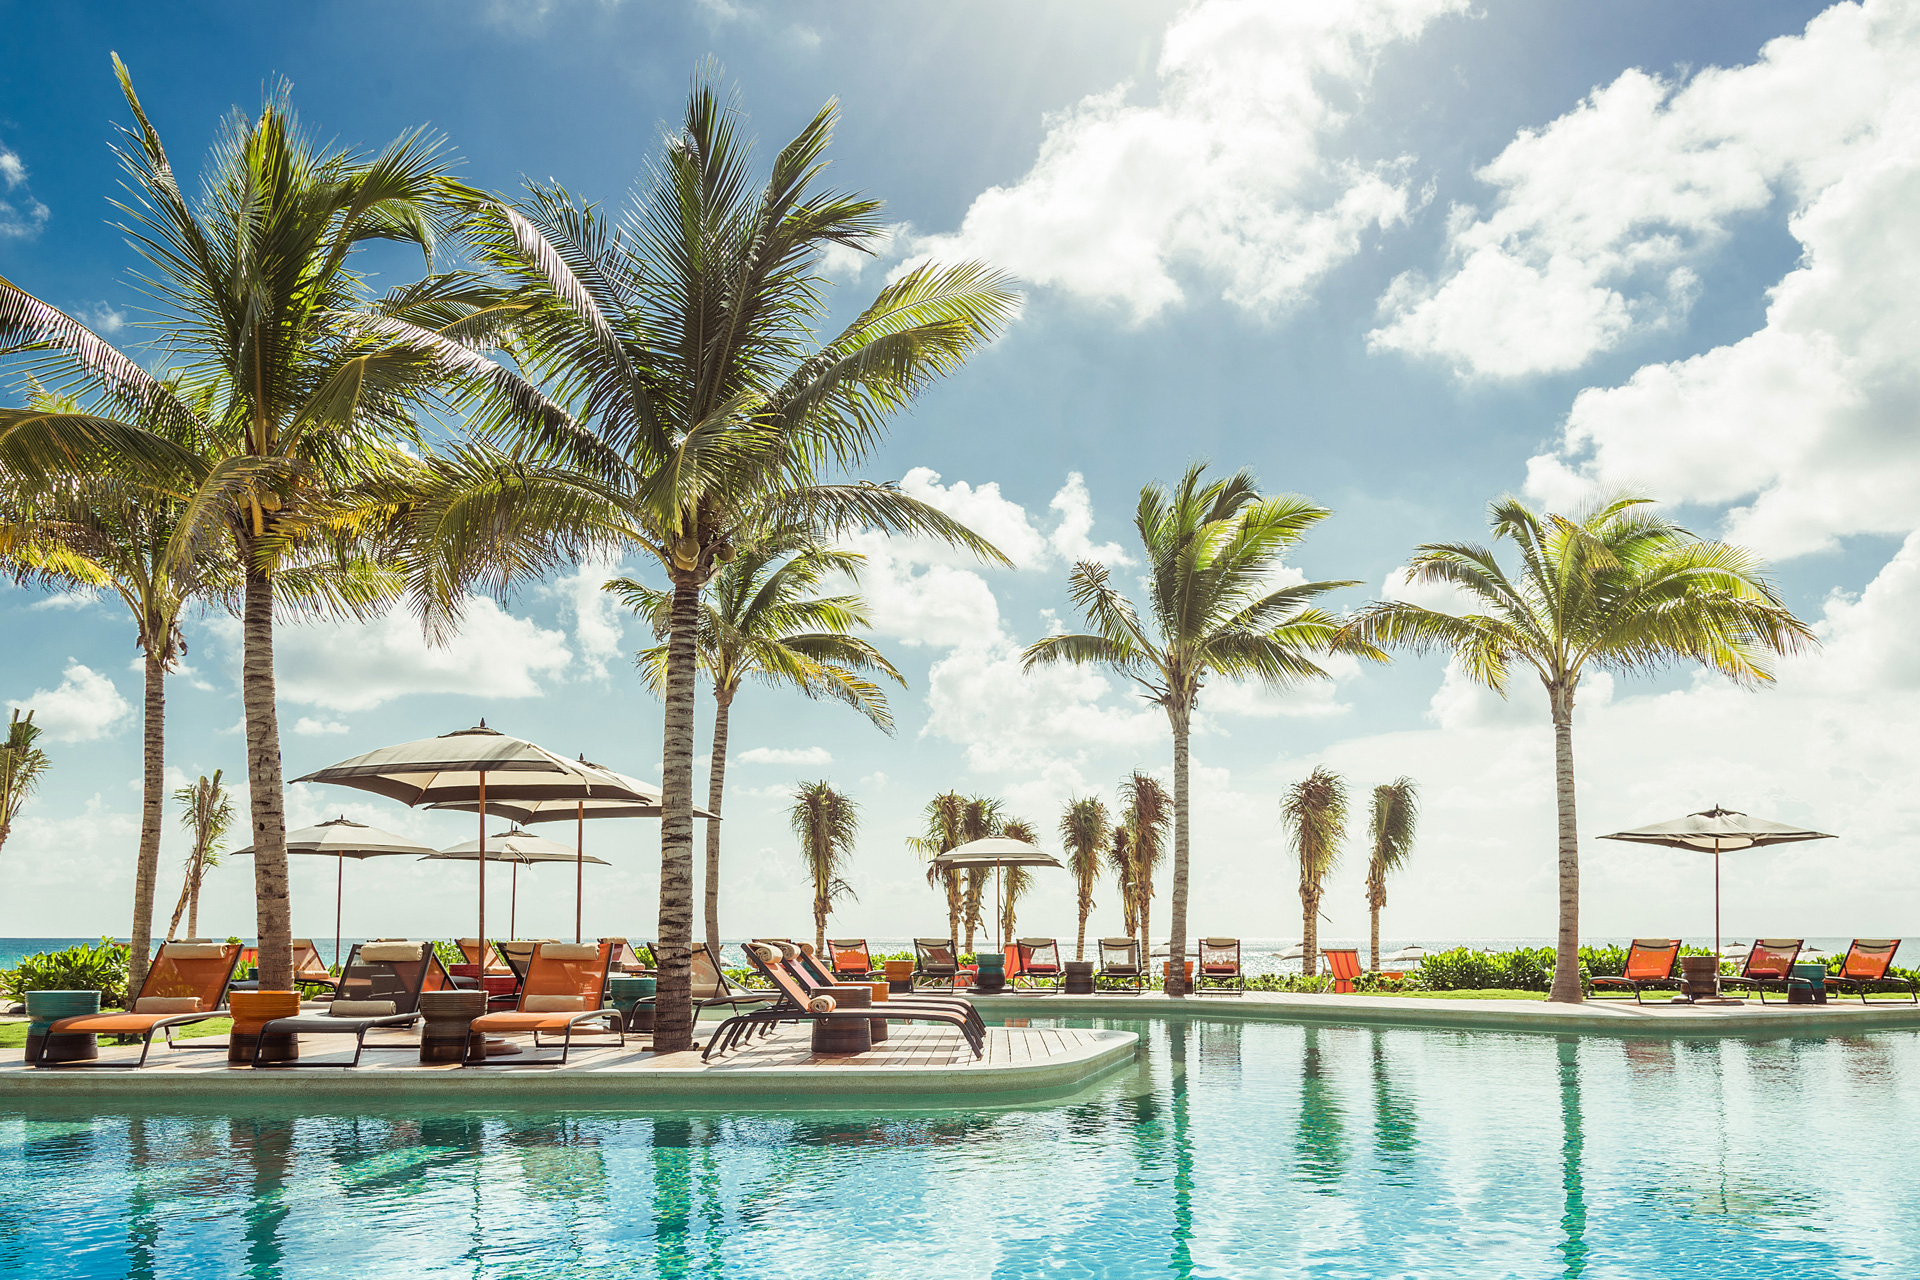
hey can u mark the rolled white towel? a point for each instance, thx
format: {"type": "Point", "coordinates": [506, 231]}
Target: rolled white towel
{"type": "Point", "coordinates": [822, 1004]}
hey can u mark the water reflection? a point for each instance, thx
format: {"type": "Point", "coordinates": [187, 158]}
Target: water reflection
{"type": "Point", "coordinates": [1395, 1131]}
{"type": "Point", "coordinates": [1320, 1143]}
{"type": "Point", "coordinates": [1573, 1215]}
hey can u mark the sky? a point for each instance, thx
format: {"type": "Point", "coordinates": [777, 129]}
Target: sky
{"type": "Point", "coordinates": [1402, 256]}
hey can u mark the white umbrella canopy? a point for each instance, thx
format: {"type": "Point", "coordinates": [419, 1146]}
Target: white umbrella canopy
{"type": "Point", "coordinates": [517, 847]}
{"type": "Point", "coordinates": [1405, 955]}
{"type": "Point", "coordinates": [1298, 951]}
{"type": "Point", "coordinates": [340, 839]}
{"type": "Point", "coordinates": [997, 852]}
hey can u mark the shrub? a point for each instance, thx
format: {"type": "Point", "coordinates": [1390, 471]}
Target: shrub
{"type": "Point", "coordinates": [101, 967]}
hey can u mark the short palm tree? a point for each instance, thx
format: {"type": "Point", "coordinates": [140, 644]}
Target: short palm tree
{"type": "Point", "coordinates": [1085, 831]}
{"type": "Point", "coordinates": [980, 819]}
{"type": "Point", "coordinates": [1212, 548]}
{"type": "Point", "coordinates": [1390, 824]}
{"type": "Point", "coordinates": [1019, 880]}
{"type": "Point", "coordinates": [1120, 858]}
{"type": "Point", "coordinates": [22, 767]}
{"type": "Point", "coordinates": [1147, 815]}
{"type": "Point", "coordinates": [758, 621]}
{"type": "Point", "coordinates": [1315, 810]}
{"type": "Point", "coordinates": [826, 823]}
{"type": "Point", "coordinates": [1616, 586]}
{"type": "Point", "coordinates": [208, 817]}
{"type": "Point", "coordinates": [946, 829]}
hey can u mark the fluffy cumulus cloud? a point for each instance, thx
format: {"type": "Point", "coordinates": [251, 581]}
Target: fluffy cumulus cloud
{"type": "Point", "coordinates": [599, 622]}
{"type": "Point", "coordinates": [1595, 217]}
{"type": "Point", "coordinates": [1234, 173]}
{"type": "Point", "coordinates": [84, 706]}
{"type": "Point", "coordinates": [21, 216]}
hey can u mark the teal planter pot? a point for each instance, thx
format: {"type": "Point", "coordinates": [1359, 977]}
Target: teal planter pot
{"type": "Point", "coordinates": [633, 997]}
{"type": "Point", "coordinates": [46, 1008]}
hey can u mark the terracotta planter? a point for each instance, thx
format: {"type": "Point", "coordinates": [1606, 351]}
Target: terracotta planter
{"type": "Point", "coordinates": [251, 1011]}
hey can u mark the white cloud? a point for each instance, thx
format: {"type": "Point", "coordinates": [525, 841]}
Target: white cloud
{"type": "Point", "coordinates": [13, 171]}
{"type": "Point", "coordinates": [809, 756]}
{"type": "Point", "coordinates": [22, 220]}
{"type": "Point", "coordinates": [84, 706]}
{"type": "Point", "coordinates": [1069, 538]}
{"type": "Point", "coordinates": [599, 621]}
{"type": "Point", "coordinates": [1597, 215]}
{"type": "Point", "coordinates": [102, 318]}
{"type": "Point", "coordinates": [79, 599]}
{"type": "Point", "coordinates": [311, 727]}
{"type": "Point", "coordinates": [1313, 699]}
{"type": "Point", "coordinates": [1234, 172]}
{"type": "Point", "coordinates": [1012, 721]}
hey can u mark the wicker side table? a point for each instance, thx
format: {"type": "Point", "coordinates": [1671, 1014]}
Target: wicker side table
{"type": "Point", "coordinates": [447, 1033]}
{"type": "Point", "coordinates": [845, 1035]}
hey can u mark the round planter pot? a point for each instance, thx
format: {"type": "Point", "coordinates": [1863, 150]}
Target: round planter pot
{"type": "Point", "coordinates": [251, 1011]}
{"type": "Point", "coordinates": [1079, 978]}
{"type": "Point", "coordinates": [845, 1035]}
{"type": "Point", "coordinates": [46, 1008]}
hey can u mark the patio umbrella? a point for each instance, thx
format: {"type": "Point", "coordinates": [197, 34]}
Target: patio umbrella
{"type": "Point", "coordinates": [997, 852]}
{"type": "Point", "coordinates": [341, 839]}
{"type": "Point", "coordinates": [453, 766]}
{"type": "Point", "coordinates": [1715, 831]}
{"type": "Point", "coordinates": [1404, 954]}
{"type": "Point", "coordinates": [517, 847]}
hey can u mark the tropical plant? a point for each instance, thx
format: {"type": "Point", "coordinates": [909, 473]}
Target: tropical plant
{"type": "Point", "coordinates": [100, 966]}
{"type": "Point", "coordinates": [1085, 831]}
{"type": "Point", "coordinates": [1616, 587]}
{"type": "Point", "coordinates": [1390, 823]}
{"type": "Point", "coordinates": [286, 435]}
{"type": "Point", "coordinates": [22, 767]}
{"type": "Point", "coordinates": [759, 621]}
{"type": "Point", "coordinates": [1212, 550]}
{"type": "Point", "coordinates": [826, 823]}
{"type": "Point", "coordinates": [1315, 810]}
{"type": "Point", "coordinates": [208, 819]}
{"type": "Point", "coordinates": [701, 410]}
{"type": "Point", "coordinates": [1148, 814]}
{"type": "Point", "coordinates": [946, 829]}
{"type": "Point", "coordinates": [1018, 880]}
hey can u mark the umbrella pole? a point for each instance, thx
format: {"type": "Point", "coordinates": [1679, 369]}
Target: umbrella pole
{"type": "Point", "coordinates": [339, 890]}
{"type": "Point", "coordinates": [513, 903]}
{"type": "Point", "coordinates": [1716, 897]}
{"type": "Point", "coordinates": [481, 949]}
{"type": "Point", "coordinates": [999, 910]}
{"type": "Point", "coordinates": [579, 864]}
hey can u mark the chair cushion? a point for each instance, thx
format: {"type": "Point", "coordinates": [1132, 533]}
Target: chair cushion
{"type": "Point", "coordinates": [571, 951]}
{"type": "Point", "coordinates": [388, 952]}
{"type": "Point", "coordinates": [167, 1004]}
{"type": "Point", "coordinates": [197, 950]}
{"type": "Point", "coordinates": [362, 1008]}
{"type": "Point", "coordinates": [552, 1004]}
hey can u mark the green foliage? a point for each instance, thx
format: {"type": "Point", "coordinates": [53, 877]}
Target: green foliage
{"type": "Point", "coordinates": [98, 967]}
{"type": "Point", "coordinates": [449, 952]}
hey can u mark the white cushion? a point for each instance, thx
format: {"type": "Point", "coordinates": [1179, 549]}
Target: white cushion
{"type": "Point", "coordinates": [195, 950]}
{"type": "Point", "coordinates": [167, 1004]}
{"type": "Point", "coordinates": [388, 952]}
{"type": "Point", "coordinates": [552, 1004]}
{"type": "Point", "coordinates": [571, 951]}
{"type": "Point", "coordinates": [362, 1008]}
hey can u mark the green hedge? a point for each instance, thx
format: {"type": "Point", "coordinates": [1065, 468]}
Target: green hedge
{"type": "Point", "coordinates": [98, 967]}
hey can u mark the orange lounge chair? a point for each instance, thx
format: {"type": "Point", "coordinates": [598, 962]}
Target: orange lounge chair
{"type": "Point", "coordinates": [1650, 963]}
{"type": "Point", "coordinates": [495, 966]}
{"type": "Point", "coordinates": [565, 986]}
{"type": "Point", "coordinates": [1867, 965]}
{"type": "Point", "coordinates": [1220, 965]}
{"type": "Point", "coordinates": [1769, 966]}
{"type": "Point", "coordinates": [186, 983]}
{"type": "Point", "coordinates": [1344, 964]}
{"type": "Point", "coordinates": [852, 962]}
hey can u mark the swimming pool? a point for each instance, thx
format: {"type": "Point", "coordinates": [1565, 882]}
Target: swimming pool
{"type": "Point", "coordinates": [1226, 1149]}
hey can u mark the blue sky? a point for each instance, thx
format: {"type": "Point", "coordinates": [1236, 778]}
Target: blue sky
{"type": "Point", "coordinates": [1401, 255]}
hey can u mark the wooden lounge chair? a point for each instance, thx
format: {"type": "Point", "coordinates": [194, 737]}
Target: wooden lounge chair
{"type": "Point", "coordinates": [1769, 967]}
{"type": "Point", "coordinates": [1650, 963]}
{"type": "Point", "coordinates": [710, 985]}
{"type": "Point", "coordinates": [1036, 960]}
{"type": "Point", "coordinates": [186, 983]}
{"type": "Point", "coordinates": [1120, 960]}
{"type": "Point", "coordinates": [1343, 965]}
{"type": "Point", "coordinates": [936, 960]}
{"type": "Point", "coordinates": [380, 986]}
{"type": "Point", "coordinates": [797, 1004]}
{"type": "Point", "coordinates": [565, 986]}
{"type": "Point", "coordinates": [517, 955]}
{"type": "Point", "coordinates": [1220, 965]}
{"type": "Point", "coordinates": [852, 962]}
{"type": "Point", "coordinates": [1868, 963]}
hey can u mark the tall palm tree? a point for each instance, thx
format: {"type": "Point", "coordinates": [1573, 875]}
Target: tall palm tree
{"type": "Point", "coordinates": [22, 766]}
{"type": "Point", "coordinates": [1315, 810]}
{"type": "Point", "coordinates": [1120, 858]}
{"type": "Point", "coordinates": [302, 384]}
{"type": "Point", "coordinates": [946, 829]}
{"type": "Point", "coordinates": [1390, 824]}
{"type": "Point", "coordinates": [1085, 831]}
{"type": "Point", "coordinates": [208, 819]}
{"type": "Point", "coordinates": [1148, 814]}
{"type": "Point", "coordinates": [1019, 880]}
{"type": "Point", "coordinates": [758, 621]}
{"type": "Point", "coordinates": [826, 823]}
{"type": "Point", "coordinates": [701, 408]}
{"type": "Point", "coordinates": [1616, 586]}
{"type": "Point", "coordinates": [1212, 548]}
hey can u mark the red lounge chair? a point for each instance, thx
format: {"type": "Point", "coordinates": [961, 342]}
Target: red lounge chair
{"type": "Point", "coordinates": [186, 983]}
{"type": "Point", "coordinates": [797, 1004]}
{"type": "Point", "coordinates": [1344, 964]}
{"type": "Point", "coordinates": [1769, 966]}
{"type": "Point", "coordinates": [565, 986]}
{"type": "Point", "coordinates": [495, 967]}
{"type": "Point", "coordinates": [936, 960]}
{"type": "Point", "coordinates": [1036, 960]}
{"type": "Point", "coordinates": [1220, 965]}
{"type": "Point", "coordinates": [1650, 963]}
{"type": "Point", "coordinates": [852, 962]}
{"type": "Point", "coordinates": [1867, 965]}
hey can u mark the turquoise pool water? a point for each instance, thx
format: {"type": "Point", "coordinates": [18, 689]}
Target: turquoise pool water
{"type": "Point", "coordinates": [1227, 1149]}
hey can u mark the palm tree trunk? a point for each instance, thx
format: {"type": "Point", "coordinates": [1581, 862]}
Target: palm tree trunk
{"type": "Point", "coordinates": [1309, 931]}
{"type": "Point", "coordinates": [1080, 941]}
{"type": "Point", "coordinates": [820, 928]}
{"type": "Point", "coordinates": [673, 1001]}
{"type": "Point", "coordinates": [1374, 909]}
{"type": "Point", "coordinates": [193, 901]}
{"type": "Point", "coordinates": [152, 798]}
{"type": "Point", "coordinates": [953, 906]}
{"type": "Point", "coordinates": [716, 786]}
{"type": "Point", "coordinates": [1566, 970]}
{"type": "Point", "coordinates": [180, 907]}
{"type": "Point", "coordinates": [1177, 941]}
{"type": "Point", "coordinates": [266, 797]}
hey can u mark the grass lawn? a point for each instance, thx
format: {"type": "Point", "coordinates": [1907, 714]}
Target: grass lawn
{"type": "Point", "coordinates": [13, 1035]}
{"type": "Point", "coordinates": [1491, 993]}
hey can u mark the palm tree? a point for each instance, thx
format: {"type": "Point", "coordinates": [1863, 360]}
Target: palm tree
{"type": "Point", "coordinates": [946, 829]}
{"type": "Point", "coordinates": [1148, 814]}
{"type": "Point", "coordinates": [1211, 552]}
{"type": "Point", "coordinates": [1396, 809]}
{"type": "Point", "coordinates": [1120, 858]}
{"type": "Point", "coordinates": [758, 621]}
{"type": "Point", "coordinates": [1018, 879]}
{"type": "Point", "coordinates": [1315, 810]}
{"type": "Point", "coordinates": [1616, 587]}
{"type": "Point", "coordinates": [22, 766]}
{"type": "Point", "coordinates": [702, 410]}
{"type": "Point", "coordinates": [208, 818]}
{"type": "Point", "coordinates": [826, 823]}
{"type": "Point", "coordinates": [980, 818]}
{"type": "Point", "coordinates": [288, 432]}
{"type": "Point", "coordinates": [1085, 831]}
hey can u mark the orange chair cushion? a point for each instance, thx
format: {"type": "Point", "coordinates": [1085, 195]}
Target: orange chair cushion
{"type": "Point", "coordinates": [523, 1023]}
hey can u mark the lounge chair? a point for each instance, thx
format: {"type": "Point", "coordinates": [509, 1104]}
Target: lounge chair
{"type": "Point", "coordinates": [625, 958]}
{"type": "Point", "coordinates": [1650, 963]}
{"type": "Point", "coordinates": [565, 986]}
{"type": "Point", "coordinates": [1120, 960]}
{"type": "Point", "coordinates": [1868, 965]}
{"type": "Point", "coordinates": [1036, 960]}
{"type": "Point", "coordinates": [1343, 965]}
{"type": "Point", "coordinates": [797, 1004]}
{"type": "Point", "coordinates": [1220, 965]}
{"type": "Point", "coordinates": [936, 960]}
{"type": "Point", "coordinates": [852, 962]}
{"type": "Point", "coordinates": [1769, 967]}
{"type": "Point", "coordinates": [710, 985]}
{"type": "Point", "coordinates": [380, 986]}
{"type": "Point", "coordinates": [186, 983]}
{"type": "Point", "coordinates": [517, 955]}
{"type": "Point", "coordinates": [806, 967]}
{"type": "Point", "coordinates": [309, 970]}
{"type": "Point", "coordinates": [495, 966]}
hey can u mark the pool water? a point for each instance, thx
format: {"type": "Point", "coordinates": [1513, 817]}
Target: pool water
{"type": "Point", "coordinates": [1226, 1149]}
